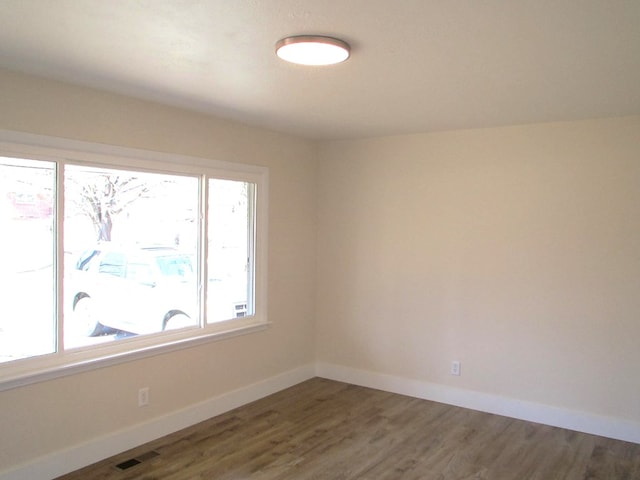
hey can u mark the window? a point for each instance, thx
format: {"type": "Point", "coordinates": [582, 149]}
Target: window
{"type": "Point", "coordinates": [108, 256]}
{"type": "Point", "coordinates": [27, 255]}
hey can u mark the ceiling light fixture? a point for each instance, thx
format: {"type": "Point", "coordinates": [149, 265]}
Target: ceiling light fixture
{"type": "Point", "coordinates": [312, 50]}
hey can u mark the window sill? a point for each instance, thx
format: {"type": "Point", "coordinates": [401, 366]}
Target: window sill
{"type": "Point", "coordinates": [74, 367]}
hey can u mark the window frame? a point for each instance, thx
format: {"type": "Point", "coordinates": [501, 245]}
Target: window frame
{"type": "Point", "coordinates": [62, 362]}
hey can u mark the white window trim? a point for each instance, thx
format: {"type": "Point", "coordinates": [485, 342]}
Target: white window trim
{"type": "Point", "coordinates": [46, 367]}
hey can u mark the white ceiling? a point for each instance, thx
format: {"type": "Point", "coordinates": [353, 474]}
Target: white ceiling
{"type": "Point", "coordinates": [416, 65]}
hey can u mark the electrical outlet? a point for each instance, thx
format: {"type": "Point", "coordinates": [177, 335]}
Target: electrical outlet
{"type": "Point", "coordinates": [143, 397]}
{"type": "Point", "coordinates": [455, 368]}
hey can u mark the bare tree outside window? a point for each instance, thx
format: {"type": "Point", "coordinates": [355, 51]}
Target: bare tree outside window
{"type": "Point", "coordinates": [105, 197]}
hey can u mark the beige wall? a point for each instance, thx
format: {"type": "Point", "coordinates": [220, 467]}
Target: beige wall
{"type": "Point", "coordinates": [513, 250]}
{"type": "Point", "coordinates": [54, 415]}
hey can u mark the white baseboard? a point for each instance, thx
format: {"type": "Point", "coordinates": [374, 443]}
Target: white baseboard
{"type": "Point", "coordinates": [611, 427]}
{"type": "Point", "coordinates": [60, 463]}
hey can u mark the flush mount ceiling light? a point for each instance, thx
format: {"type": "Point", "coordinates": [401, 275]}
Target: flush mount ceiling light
{"type": "Point", "coordinates": [312, 50]}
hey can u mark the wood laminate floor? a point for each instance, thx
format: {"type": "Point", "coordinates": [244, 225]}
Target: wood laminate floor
{"type": "Point", "coordinates": [323, 429]}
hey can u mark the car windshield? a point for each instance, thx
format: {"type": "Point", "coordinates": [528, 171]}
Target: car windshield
{"type": "Point", "coordinates": [86, 258]}
{"type": "Point", "coordinates": [175, 266]}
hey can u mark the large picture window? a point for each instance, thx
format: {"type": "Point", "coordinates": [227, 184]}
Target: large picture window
{"type": "Point", "coordinates": [109, 255]}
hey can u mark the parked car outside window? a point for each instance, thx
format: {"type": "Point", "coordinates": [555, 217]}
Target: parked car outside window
{"type": "Point", "coordinates": [137, 290]}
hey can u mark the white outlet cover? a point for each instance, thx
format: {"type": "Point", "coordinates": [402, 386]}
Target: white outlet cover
{"type": "Point", "coordinates": [143, 397]}
{"type": "Point", "coordinates": [455, 368]}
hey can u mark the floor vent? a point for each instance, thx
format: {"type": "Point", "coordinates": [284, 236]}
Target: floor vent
{"type": "Point", "coordinates": [135, 461]}
{"type": "Point", "coordinates": [128, 464]}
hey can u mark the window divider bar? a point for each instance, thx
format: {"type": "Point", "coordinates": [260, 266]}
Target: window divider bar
{"type": "Point", "coordinates": [58, 258]}
{"type": "Point", "coordinates": [203, 249]}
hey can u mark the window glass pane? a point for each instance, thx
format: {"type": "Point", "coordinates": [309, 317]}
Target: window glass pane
{"type": "Point", "coordinates": [130, 254]}
{"type": "Point", "coordinates": [230, 249]}
{"type": "Point", "coordinates": [27, 323]}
